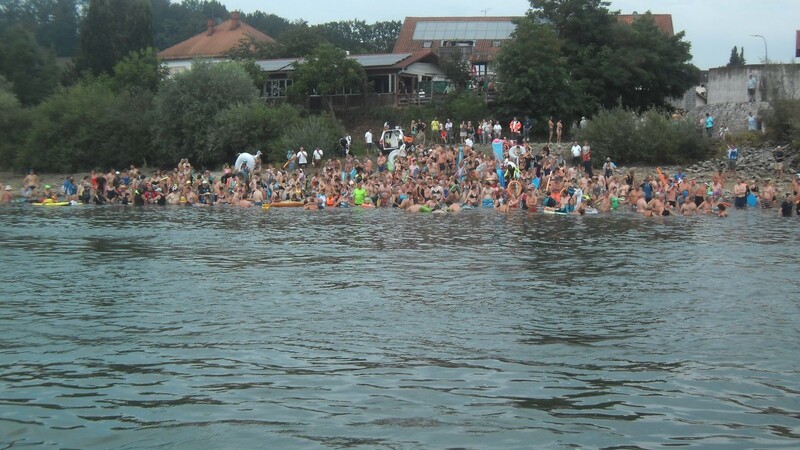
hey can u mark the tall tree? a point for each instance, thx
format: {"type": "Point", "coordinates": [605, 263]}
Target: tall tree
{"type": "Point", "coordinates": [541, 86]}
{"type": "Point", "coordinates": [187, 104]}
{"type": "Point", "coordinates": [737, 57]}
{"type": "Point", "coordinates": [270, 24]}
{"type": "Point", "coordinates": [111, 30]}
{"type": "Point", "coordinates": [611, 62]}
{"type": "Point", "coordinates": [30, 68]}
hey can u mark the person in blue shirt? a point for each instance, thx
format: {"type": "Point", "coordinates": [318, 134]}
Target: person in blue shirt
{"type": "Point", "coordinates": [733, 156]}
{"type": "Point", "coordinates": [69, 189]}
{"type": "Point", "coordinates": [709, 125]}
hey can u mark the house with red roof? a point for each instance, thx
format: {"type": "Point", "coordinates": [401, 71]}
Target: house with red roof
{"type": "Point", "coordinates": [213, 44]}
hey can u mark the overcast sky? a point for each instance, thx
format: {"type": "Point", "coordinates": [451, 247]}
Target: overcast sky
{"type": "Point", "coordinates": [713, 27]}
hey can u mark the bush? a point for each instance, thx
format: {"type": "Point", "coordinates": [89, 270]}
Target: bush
{"type": "Point", "coordinates": [650, 138]}
{"type": "Point", "coordinates": [248, 127]}
{"type": "Point", "coordinates": [187, 105]}
{"type": "Point", "coordinates": [88, 126]}
{"type": "Point", "coordinates": [309, 132]}
{"type": "Point", "coordinates": [783, 122]}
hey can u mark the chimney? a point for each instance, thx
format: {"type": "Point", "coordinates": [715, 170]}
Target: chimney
{"type": "Point", "coordinates": [211, 25]}
{"type": "Point", "coordinates": [235, 20]}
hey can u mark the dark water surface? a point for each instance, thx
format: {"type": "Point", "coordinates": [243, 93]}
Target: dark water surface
{"type": "Point", "coordinates": [227, 328]}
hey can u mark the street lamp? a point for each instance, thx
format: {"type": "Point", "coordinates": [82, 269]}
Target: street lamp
{"type": "Point", "coordinates": [766, 57]}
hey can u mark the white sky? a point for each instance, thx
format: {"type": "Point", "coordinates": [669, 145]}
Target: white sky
{"type": "Point", "coordinates": [712, 26]}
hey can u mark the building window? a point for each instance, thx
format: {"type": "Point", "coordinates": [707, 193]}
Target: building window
{"type": "Point", "coordinates": [427, 44]}
{"type": "Point", "coordinates": [497, 43]}
{"type": "Point", "coordinates": [277, 88]}
{"type": "Point", "coordinates": [479, 69]}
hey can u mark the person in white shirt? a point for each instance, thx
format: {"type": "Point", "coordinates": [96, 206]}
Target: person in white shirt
{"type": "Point", "coordinates": [576, 154]}
{"type": "Point", "coordinates": [302, 158]}
{"type": "Point", "coordinates": [468, 143]}
{"type": "Point", "coordinates": [317, 158]}
{"type": "Point", "coordinates": [498, 130]}
{"type": "Point", "coordinates": [368, 140]}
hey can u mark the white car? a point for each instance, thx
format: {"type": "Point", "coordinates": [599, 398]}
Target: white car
{"type": "Point", "coordinates": [394, 139]}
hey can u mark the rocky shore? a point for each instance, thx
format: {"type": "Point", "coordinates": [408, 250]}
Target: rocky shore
{"type": "Point", "coordinates": [756, 162]}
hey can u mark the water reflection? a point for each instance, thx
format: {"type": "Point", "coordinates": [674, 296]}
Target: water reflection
{"type": "Point", "coordinates": [235, 328]}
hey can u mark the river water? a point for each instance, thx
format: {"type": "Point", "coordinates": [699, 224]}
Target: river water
{"type": "Point", "coordinates": [228, 328]}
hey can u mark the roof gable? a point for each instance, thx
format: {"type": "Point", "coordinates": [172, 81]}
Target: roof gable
{"type": "Point", "coordinates": [216, 41]}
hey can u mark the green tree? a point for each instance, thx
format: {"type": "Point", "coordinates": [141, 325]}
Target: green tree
{"type": "Point", "coordinates": [140, 70]}
{"type": "Point", "coordinates": [31, 69]}
{"type": "Point", "coordinates": [608, 60]}
{"type": "Point", "coordinates": [653, 66]}
{"type": "Point", "coordinates": [111, 30]}
{"type": "Point", "coordinates": [357, 36]}
{"type": "Point", "coordinates": [541, 86]}
{"type": "Point", "coordinates": [12, 124]}
{"type": "Point", "coordinates": [85, 126]}
{"type": "Point", "coordinates": [737, 57]}
{"type": "Point", "coordinates": [456, 69]}
{"type": "Point", "coordinates": [187, 105]}
{"type": "Point", "coordinates": [326, 72]}
{"type": "Point", "coordinates": [53, 22]}
{"type": "Point", "coordinates": [299, 40]}
{"type": "Point", "coordinates": [270, 24]}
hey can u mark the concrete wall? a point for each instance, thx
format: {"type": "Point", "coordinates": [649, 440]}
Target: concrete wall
{"type": "Point", "coordinates": [729, 84]}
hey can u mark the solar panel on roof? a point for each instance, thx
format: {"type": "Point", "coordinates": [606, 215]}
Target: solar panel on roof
{"type": "Point", "coordinates": [427, 31]}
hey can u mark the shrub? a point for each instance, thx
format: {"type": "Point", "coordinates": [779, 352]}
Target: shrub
{"type": "Point", "coordinates": [650, 138]}
{"type": "Point", "coordinates": [88, 126]}
{"type": "Point", "coordinates": [309, 132]}
{"type": "Point", "coordinates": [187, 105]}
{"type": "Point", "coordinates": [248, 127]}
{"type": "Point", "coordinates": [783, 122]}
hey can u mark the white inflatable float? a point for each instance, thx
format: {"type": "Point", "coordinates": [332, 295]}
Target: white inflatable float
{"type": "Point", "coordinates": [247, 158]}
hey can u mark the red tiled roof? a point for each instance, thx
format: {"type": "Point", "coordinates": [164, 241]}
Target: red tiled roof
{"type": "Point", "coordinates": [406, 44]}
{"type": "Point", "coordinates": [224, 38]}
{"type": "Point", "coordinates": [662, 21]}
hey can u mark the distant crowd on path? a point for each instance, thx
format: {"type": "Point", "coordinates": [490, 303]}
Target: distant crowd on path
{"type": "Point", "coordinates": [444, 178]}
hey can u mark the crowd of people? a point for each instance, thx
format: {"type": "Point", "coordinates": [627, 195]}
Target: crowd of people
{"type": "Point", "coordinates": [443, 178]}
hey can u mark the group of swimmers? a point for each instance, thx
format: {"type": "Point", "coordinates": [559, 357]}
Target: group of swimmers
{"type": "Point", "coordinates": [441, 179]}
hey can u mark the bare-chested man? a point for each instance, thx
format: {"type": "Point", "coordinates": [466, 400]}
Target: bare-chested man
{"type": "Point", "coordinates": [689, 208]}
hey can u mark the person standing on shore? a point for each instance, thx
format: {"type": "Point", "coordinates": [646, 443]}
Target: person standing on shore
{"type": "Point", "coordinates": [576, 154]}
{"type": "Point", "coordinates": [559, 131]}
{"type": "Point", "coordinates": [368, 140]}
{"type": "Point", "coordinates": [317, 158]}
{"type": "Point", "coordinates": [752, 123]}
{"type": "Point", "coordinates": [526, 128]}
{"type": "Point", "coordinates": [709, 125]}
{"type": "Point", "coordinates": [779, 156]}
{"type": "Point", "coordinates": [550, 126]}
{"type": "Point", "coordinates": [586, 155]}
{"type": "Point", "coordinates": [733, 157]}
